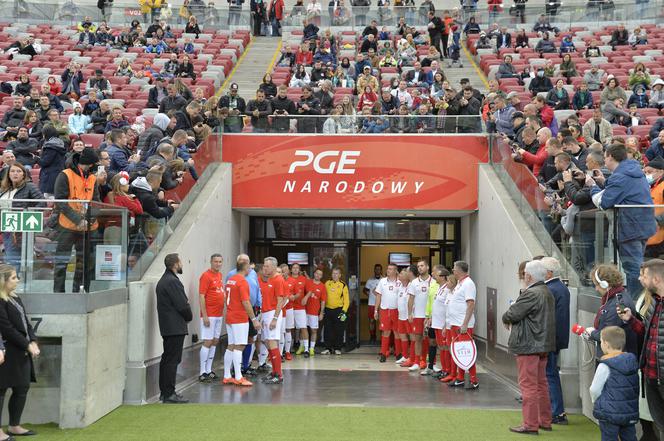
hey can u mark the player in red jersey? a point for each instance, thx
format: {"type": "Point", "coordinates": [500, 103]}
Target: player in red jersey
{"type": "Point", "coordinates": [211, 295]}
{"type": "Point", "coordinates": [289, 323]}
{"type": "Point", "coordinates": [272, 289]}
{"type": "Point", "coordinates": [315, 298]}
{"type": "Point", "coordinates": [238, 312]}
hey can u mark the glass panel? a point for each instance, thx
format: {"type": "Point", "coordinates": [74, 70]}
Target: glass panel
{"type": "Point", "coordinates": [308, 229]}
{"type": "Point", "coordinates": [437, 230]}
{"type": "Point", "coordinates": [67, 256]}
{"type": "Point", "coordinates": [450, 233]}
{"type": "Point", "coordinates": [259, 228]}
{"type": "Point", "coordinates": [394, 229]}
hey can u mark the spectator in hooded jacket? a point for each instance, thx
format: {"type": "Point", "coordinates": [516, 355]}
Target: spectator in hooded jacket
{"type": "Point", "coordinates": [77, 121]}
{"type": "Point", "coordinates": [52, 160]}
{"type": "Point", "coordinates": [627, 185]}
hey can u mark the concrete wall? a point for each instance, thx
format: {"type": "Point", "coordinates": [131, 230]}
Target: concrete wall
{"type": "Point", "coordinates": [209, 227]}
{"type": "Point", "coordinates": [496, 267]}
{"type": "Point", "coordinates": [92, 368]}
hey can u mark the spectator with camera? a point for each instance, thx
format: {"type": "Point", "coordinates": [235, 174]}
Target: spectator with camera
{"type": "Point", "coordinates": [627, 186]}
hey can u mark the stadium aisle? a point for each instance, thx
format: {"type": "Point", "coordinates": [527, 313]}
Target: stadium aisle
{"type": "Point", "coordinates": [254, 63]}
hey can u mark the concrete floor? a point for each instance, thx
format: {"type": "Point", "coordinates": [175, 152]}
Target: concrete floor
{"type": "Point", "coordinates": [251, 69]}
{"type": "Point", "coordinates": [358, 380]}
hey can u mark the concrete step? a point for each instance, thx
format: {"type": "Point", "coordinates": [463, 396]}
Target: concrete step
{"type": "Point", "coordinates": [253, 66]}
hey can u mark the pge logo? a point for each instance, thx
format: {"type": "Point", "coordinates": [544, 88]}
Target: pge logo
{"type": "Point", "coordinates": [327, 162]}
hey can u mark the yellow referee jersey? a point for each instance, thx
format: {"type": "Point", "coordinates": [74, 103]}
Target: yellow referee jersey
{"type": "Point", "coordinates": [337, 295]}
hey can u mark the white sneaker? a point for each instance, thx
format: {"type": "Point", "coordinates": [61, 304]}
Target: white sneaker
{"type": "Point", "coordinates": [325, 352]}
{"type": "Point", "coordinates": [401, 360]}
{"type": "Point", "coordinates": [337, 352]}
{"type": "Point", "coordinates": [414, 368]}
{"type": "Point", "coordinates": [436, 369]}
{"type": "Point", "coordinates": [426, 371]}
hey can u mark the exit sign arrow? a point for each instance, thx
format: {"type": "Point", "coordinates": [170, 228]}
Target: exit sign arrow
{"type": "Point", "coordinates": [32, 222]}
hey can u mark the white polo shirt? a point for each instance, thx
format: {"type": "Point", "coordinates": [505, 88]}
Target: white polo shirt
{"type": "Point", "coordinates": [389, 293]}
{"type": "Point", "coordinates": [456, 303]}
{"type": "Point", "coordinates": [419, 289]}
{"type": "Point", "coordinates": [371, 285]}
{"type": "Point", "coordinates": [439, 308]}
{"type": "Point", "coordinates": [402, 303]}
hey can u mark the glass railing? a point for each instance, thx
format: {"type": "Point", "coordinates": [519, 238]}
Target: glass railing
{"type": "Point", "coordinates": [581, 234]}
{"type": "Point", "coordinates": [566, 14]}
{"type": "Point", "coordinates": [53, 254]}
{"type": "Point", "coordinates": [368, 124]}
{"type": "Point", "coordinates": [154, 233]}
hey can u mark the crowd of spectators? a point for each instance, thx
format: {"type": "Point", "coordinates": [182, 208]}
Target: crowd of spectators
{"type": "Point", "coordinates": [53, 123]}
{"type": "Point", "coordinates": [382, 81]}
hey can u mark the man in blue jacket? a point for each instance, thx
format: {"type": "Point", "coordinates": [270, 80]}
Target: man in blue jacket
{"type": "Point", "coordinates": [561, 296]}
{"type": "Point", "coordinates": [256, 301]}
{"type": "Point", "coordinates": [627, 185]}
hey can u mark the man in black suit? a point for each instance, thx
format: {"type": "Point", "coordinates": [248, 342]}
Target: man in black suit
{"type": "Point", "coordinates": [174, 313]}
{"type": "Point", "coordinates": [503, 39]}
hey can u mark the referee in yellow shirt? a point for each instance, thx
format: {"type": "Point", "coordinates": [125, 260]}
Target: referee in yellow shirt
{"type": "Point", "coordinates": [336, 308]}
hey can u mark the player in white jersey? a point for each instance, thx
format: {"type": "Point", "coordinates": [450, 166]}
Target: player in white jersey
{"type": "Point", "coordinates": [387, 296]}
{"type": "Point", "coordinates": [437, 322]}
{"type": "Point", "coordinates": [369, 288]}
{"type": "Point", "coordinates": [403, 328]}
{"type": "Point", "coordinates": [418, 290]}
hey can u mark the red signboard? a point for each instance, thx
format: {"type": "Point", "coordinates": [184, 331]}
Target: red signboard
{"type": "Point", "coordinates": [366, 172]}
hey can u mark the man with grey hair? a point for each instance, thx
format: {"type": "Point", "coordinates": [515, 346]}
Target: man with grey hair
{"type": "Point", "coordinates": [561, 296]}
{"type": "Point", "coordinates": [531, 320]}
{"type": "Point", "coordinates": [461, 319]}
{"type": "Point", "coordinates": [274, 298]}
{"type": "Point", "coordinates": [256, 300]}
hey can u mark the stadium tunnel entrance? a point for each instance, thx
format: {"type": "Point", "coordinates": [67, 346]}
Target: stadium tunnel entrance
{"type": "Point", "coordinates": [355, 245]}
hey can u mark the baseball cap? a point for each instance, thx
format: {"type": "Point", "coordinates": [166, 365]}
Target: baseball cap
{"type": "Point", "coordinates": [98, 72]}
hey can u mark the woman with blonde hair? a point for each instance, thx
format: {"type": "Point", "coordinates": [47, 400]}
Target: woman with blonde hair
{"type": "Point", "coordinates": [347, 120]}
{"type": "Point", "coordinates": [20, 348]}
{"type": "Point", "coordinates": [608, 281]}
{"type": "Point", "coordinates": [124, 69]}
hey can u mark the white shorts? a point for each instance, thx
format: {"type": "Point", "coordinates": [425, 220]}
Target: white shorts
{"type": "Point", "coordinates": [290, 319]}
{"type": "Point", "coordinates": [238, 334]}
{"type": "Point", "coordinates": [271, 334]}
{"type": "Point", "coordinates": [213, 331]}
{"type": "Point", "coordinates": [300, 316]}
{"type": "Point", "coordinates": [312, 321]}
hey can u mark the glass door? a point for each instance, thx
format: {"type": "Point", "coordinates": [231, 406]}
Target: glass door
{"type": "Point", "coordinates": [326, 257]}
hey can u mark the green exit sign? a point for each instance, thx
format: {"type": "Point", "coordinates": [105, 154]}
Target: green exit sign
{"type": "Point", "coordinates": [22, 221]}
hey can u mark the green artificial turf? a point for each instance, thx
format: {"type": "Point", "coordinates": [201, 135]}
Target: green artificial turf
{"type": "Point", "coordinates": [211, 422]}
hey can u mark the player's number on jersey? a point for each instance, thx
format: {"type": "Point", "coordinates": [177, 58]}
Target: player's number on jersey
{"type": "Point", "coordinates": [228, 295]}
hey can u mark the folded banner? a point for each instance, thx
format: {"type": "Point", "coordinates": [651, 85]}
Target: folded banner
{"type": "Point", "coordinates": [395, 172]}
{"type": "Point", "coordinates": [464, 351]}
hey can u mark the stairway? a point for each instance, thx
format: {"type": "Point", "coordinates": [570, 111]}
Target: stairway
{"type": "Point", "coordinates": [256, 61]}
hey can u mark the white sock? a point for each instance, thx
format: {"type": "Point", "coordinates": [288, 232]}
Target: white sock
{"type": "Point", "coordinates": [305, 344]}
{"type": "Point", "coordinates": [312, 344]}
{"type": "Point", "coordinates": [228, 361]}
{"type": "Point", "coordinates": [251, 356]}
{"type": "Point", "coordinates": [282, 342]}
{"type": "Point", "coordinates": [288, 342]}
{"type": "Point", "coordinates": [237, 362]}
{"type": "Point", "coordinates": [203, 359]}
{"type": "Point", "coordinates": [262, 355]}
{"type": "Point", "coordinates": [210, 360]}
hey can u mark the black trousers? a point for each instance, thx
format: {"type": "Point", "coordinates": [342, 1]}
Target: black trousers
{"type": "Point", "coordinates": [15, 405]}
{"type": "Point", "coordinates": [67, 239]}
{"type": "Point", "coordinates": [334, 329]}
{"type": "Point", "coordinates": [168, 366]}
{"type": "Point", "coordinates": [435, 42]}
{"type": "Point", "coordinates": [655, 397]}
{"type": "Point", "coordinates": [445, 41]}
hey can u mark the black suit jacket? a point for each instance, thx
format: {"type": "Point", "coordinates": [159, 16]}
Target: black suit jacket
{"type": "Point", "coordinates": [172, 305]}
{"type": "Point", "coordinates": [17, 370]}
{"type": "Point", "coordinates": [508, 40]}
